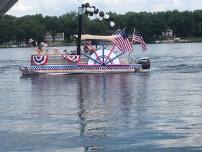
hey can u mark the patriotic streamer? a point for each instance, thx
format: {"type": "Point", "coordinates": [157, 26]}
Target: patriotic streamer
{"type": "Point", "coordinates": [40, 60]}
{"type": "Point", "coordinates": [72, 58]}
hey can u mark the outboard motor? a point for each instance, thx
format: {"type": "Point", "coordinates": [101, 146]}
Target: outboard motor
{"type": "Point", "coordinates": [145, 63]}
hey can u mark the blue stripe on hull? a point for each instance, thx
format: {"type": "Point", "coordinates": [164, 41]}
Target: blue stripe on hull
{"type": "Point", "coordinates": [71, 69]}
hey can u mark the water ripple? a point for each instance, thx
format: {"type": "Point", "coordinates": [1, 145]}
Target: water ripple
{"type": "Point", "coordinates": [158, 110]}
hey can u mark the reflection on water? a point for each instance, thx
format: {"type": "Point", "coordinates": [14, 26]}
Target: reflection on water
{"type": "Point", "coordinates": [110, 112]}
{"type": "Point", "coordinates": [159, 110]}
{"type": "Point", "coordinates": [105, 104]}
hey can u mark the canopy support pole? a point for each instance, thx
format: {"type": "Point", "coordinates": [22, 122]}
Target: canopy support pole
{"type": "Point", "coordinates": [80, 14]}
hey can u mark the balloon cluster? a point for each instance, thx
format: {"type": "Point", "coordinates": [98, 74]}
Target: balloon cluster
{"type": "Point", "coordinates": [92, 10]}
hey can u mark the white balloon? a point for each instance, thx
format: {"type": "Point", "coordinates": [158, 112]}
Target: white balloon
{"type": "Point", "coordinates": [112, 24]}
{"type": "Point", "coordinates": [92, 10]}
{"type": "Point", "coordinates": [100, 18]}
{"type": "Point", "coordinates": [97, 16]}
{"type": "Point", "coordinates": [88, 9]}
{"type": "Point", "coordinates": [106, 16]}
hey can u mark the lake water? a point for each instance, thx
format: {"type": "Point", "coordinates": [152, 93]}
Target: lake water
{"type": "Point", "coordinates": [155, 111]}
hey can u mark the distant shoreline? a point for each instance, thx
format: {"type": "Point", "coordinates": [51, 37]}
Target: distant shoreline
{"type": "Point", "coordinates": [188, 40]}
{"type": "Point", "coordinates": [49, 45]}
{"type": "Point", "coordinates": [178, 40]}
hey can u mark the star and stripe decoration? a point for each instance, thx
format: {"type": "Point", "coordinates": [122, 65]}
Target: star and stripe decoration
{"type": "Point", "coordinates": [94, 11]}
{"type": "Point", "coordinates": [139, 39]}
{"type": "Point", "coordinates": [40, 60]}
{"type": "Point", "coordinates": [122, 42]}
{"type": "Point", "coordinates": [72, 58]}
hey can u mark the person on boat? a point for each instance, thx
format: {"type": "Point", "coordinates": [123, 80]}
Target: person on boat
{"type": "Point", "coordinates": [37, 51]}
{"type": "Point", "coordinates": [41, 49]}
{"type": "Point", "coordinates": [88, 48]}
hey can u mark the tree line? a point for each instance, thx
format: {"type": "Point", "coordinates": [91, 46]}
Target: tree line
{"type": "Point", "coordinates": [149, 25]}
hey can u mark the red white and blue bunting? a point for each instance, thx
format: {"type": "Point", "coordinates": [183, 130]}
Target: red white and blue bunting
{"type": "Point", "coordinates": [40, 60]}
{"type": "Point", "coordinates": [72, 58]}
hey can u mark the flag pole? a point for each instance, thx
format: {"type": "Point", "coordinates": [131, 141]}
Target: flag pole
{"type": "Point", "coordinates": [80, 14]}
{"type": "Point", "coordinates": [134, 31]}
{"type": "Point", "coordinates": [133, 34]}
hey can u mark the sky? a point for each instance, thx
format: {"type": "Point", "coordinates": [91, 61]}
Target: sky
{"type": "Point", "coordinates": [60, 7]}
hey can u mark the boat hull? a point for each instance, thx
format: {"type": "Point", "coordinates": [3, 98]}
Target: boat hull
{"type": "Point", "coordinates": [79, 69]}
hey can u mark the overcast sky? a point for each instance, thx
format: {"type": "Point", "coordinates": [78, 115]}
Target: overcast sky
{"type": "Point", "coordinates": [60, 7]}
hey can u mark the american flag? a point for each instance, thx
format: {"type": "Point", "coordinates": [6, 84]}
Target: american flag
{"type": "Point", "coordinates": [140, 40]}
{"type": "Point", "coordinates": [122, 42]}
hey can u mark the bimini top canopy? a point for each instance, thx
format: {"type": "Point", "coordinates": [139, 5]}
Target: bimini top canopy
{"type": "Point", "coordinates": [5, 5]}
{"type": "Point", "coordinates": [97, 37]}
